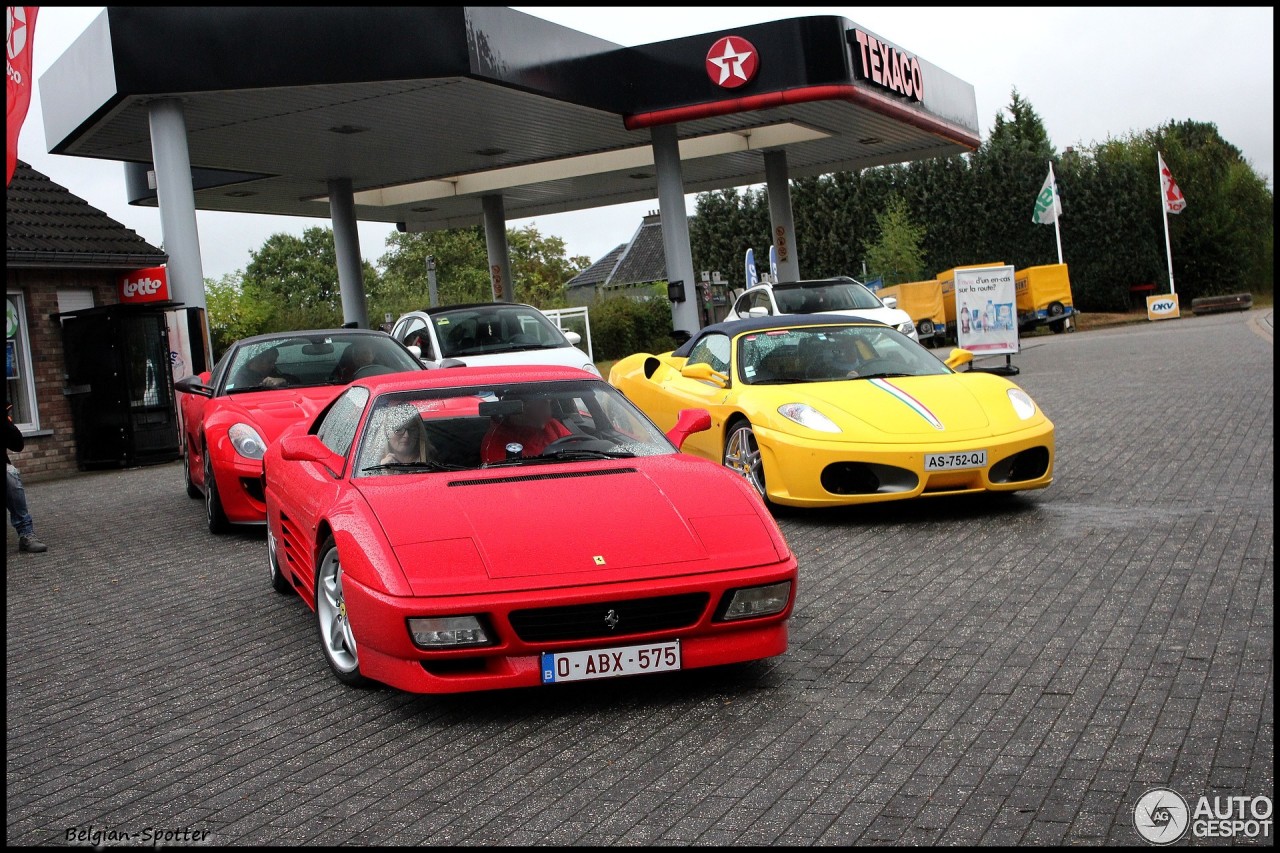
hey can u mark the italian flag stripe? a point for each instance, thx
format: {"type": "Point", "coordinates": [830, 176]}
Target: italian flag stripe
{"type": "Point", "coordinates": [914, 404]}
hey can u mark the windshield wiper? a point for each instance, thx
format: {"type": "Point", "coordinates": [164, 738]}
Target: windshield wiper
{"type": "Point", "coordinates": [413, 466]}
{"type": "Point", "coordinates": [882, 375]}
{"type": "Point", "coordinates": [561, 456]}
{"type": "Point", "coordinates": [589, 454]}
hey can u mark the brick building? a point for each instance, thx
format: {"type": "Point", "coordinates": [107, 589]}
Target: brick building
{"type": "Point", "coordinates": [61, 255]}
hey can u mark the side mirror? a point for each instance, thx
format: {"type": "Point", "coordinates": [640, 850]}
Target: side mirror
{"type": "Point", "coordinates": [688, 422]}
{"type": "Point", "coordinates": [573, 338]}
{"type": "Point", "coordinates": [889, 301]}
{"type": "Point", "coordinates": [309, 448]}
{"type": "Point", "coordinates": [417, 351]}
{"type": "Point", "coordinates": [194, 385]}
{"type": "Point", "coordinates": [958, 357]}
{"type": "Point", "coordinates": [705, 373]}
{"type": "Point", "coordinates": [758, 311]}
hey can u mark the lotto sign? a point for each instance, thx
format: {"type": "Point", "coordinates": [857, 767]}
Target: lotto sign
{"type": "Point", "coordinates": [1163, 307]}
{"type": "Point", "coordinates": [148, 285]}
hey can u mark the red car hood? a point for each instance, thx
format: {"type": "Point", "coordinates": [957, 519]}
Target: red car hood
{"type": "Point", "coordinates": [557, 525]}
{"type": "Point", "coordinates": [271, 412]}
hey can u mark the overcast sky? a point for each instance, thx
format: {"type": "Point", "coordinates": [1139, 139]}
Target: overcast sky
{"type": "Point", "coordinates": [1090, 73]}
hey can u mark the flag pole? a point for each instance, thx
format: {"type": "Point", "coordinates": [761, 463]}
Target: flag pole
{"type": "Point", "coordinates": [1057, 227]}
{"type": "Point", "coordinates": [1164, 208]}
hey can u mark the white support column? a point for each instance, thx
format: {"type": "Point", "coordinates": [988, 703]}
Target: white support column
{"type": "Point", "coordinates": [495, 239]}
{"type": "Point", "coordinates": [783, 229]}
{"type": "Point", "coordinates": [675, 226]}
{"type": "Point", "coordinates": [346, 245]}
{"type": "Point", "coordinates": [176, 197]}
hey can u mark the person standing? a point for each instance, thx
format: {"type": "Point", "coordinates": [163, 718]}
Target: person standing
{"type": "Point", "coordinates": [15, 495]}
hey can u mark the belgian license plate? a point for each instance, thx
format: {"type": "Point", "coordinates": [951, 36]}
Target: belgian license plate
{"type": "Point", "coordinates": [610, 663]}
{"type": "Point", "coordinates": [955, 461]}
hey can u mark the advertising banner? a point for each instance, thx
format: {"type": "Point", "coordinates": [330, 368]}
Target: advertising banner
{"type": "Point", "coordinates": [985, 299]}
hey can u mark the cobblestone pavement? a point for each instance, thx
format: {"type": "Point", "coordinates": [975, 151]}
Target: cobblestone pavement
{"type": "Point", "coordinates": [960, 671]}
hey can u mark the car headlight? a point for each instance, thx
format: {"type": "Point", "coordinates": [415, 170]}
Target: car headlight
{"type": "Point", "coordinates": [1022, 403]}
{"type": "Point", "coordinates": [246, 441]}
{"type": "Point", "coordinates": [591, 368]}
{"type": "Point", "coordinates": [757, 601]}
{"type": "Point", "coordinates": [807, 416]}
{"type": "Point", "coordinates": [908, 328]}
{"type": "Point", "coordinates": [447, 632]}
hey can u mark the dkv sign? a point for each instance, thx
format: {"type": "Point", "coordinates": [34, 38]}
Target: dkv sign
{"type": "Point", "coordinates": [1163, 307]}
{"type": "Point", "coordinates": [148, 285]}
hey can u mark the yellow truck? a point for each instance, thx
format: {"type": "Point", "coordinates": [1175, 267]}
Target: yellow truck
{"type": "Point", "coordinates": [1044, 297]}
{"type": "Point", "coordinates": [922, 300]}
{"type": "Point", "coordinates": [947, 279]}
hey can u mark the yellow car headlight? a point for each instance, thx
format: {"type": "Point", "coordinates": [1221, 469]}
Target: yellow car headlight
{"type": "Point", "coordinates": [1022, 403]}
{"type": "Point", "coordinates": [807, 416]}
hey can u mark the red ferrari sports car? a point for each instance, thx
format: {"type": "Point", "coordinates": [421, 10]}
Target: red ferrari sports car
{"type": "Point", "coordinates": [587, 546]}
{"type": "Point", "coordinates": [260, 386]}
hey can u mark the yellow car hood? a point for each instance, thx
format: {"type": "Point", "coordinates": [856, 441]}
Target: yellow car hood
{"type": "Point", "coordinates": [908, 408]}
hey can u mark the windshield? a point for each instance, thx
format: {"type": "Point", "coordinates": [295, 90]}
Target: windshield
{"type": "Point", "coordinates": [812, 297]}
{"type": "Point", "coordinates": [830, 353]}
{"type": "Point", "coordinates": [301, 361]}
{"type": "Point", "coordinates": [495, 328]}
{"type": "Point", "coordinates": [458, 429]}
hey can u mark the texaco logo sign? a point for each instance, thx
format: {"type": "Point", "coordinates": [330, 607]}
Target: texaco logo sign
{"type": "Point", "coordinates": [732, 62]}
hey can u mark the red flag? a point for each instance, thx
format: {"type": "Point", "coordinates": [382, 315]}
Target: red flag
{"type": "Point", "coordinates": [20, 30]}
{"type": "Point", "coordinates": [1173, 200]}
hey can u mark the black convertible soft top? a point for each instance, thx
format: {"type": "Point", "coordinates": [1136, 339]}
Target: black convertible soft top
{"type": "Point", "coordinates": [773, 321]}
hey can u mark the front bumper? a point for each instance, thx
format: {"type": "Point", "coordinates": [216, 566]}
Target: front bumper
{"type": "Point", "coordinates": [387, 654]}
{"type": "Point", "coordinates": [811, 473]}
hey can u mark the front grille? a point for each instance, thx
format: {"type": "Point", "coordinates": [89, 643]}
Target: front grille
{"type": "Point", "coordinates": [589, 621]}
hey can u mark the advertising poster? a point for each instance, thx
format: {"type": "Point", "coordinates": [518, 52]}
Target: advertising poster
{"type": "Point", "coordinates": [986, 319]}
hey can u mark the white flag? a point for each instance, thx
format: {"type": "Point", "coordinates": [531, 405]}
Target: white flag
{"type": "Point", "coordinates": [1173, 200]}
{"type": "Point", "coordinates": [1048, 206]}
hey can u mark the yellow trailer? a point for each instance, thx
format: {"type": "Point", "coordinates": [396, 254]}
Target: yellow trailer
{"type": "Point", "coordinates": [922, 300]}
{"type": "Point", "coordinates": [1044, 297]}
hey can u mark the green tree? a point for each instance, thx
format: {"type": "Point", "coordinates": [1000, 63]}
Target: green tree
{"type": "Point", "coordinates": [538, 265]}
{"type": "Point", "coordinates": [540, 268]}
{"type": "Point", "coordinates": [461, 269]}
{"type": "Point", "coordinates": [896, 254]}
{"type": "Point", "coordinates": [296, 280]}
{"type": "Point", "coordinates": [232, 315]}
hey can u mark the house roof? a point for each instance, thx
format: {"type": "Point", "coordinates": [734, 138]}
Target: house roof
{"type": "Point", "coordinates": [641, 261]}
{"type": "Point", "coordinates": [46, 225]}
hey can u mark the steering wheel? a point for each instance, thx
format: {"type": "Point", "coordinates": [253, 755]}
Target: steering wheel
{"type": "Point", "coordinates": [576, 441]}
{"type": "Point", "coordinates": [878, 365]}
{"type": "Point", "coordinates": [373, 370]}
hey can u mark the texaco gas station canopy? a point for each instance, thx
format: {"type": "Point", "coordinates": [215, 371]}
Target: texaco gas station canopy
{"type": "Point", "coordinates": [428, 112]}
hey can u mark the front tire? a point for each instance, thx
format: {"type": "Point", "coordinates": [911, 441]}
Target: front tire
{"type": "Point", "coordinates": [337, 640]}
{"type": "Point", "coordinates": [742, 455]}
{"type": "Point", "coordinates": [278, 581]}
{"type": "Point", "coordinates": [214, 515]}
{"type": "Point", "coordinates": [192, 491]}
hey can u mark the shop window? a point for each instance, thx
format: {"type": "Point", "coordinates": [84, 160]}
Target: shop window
{"type": "Point", "coordinates": [20, 387]}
